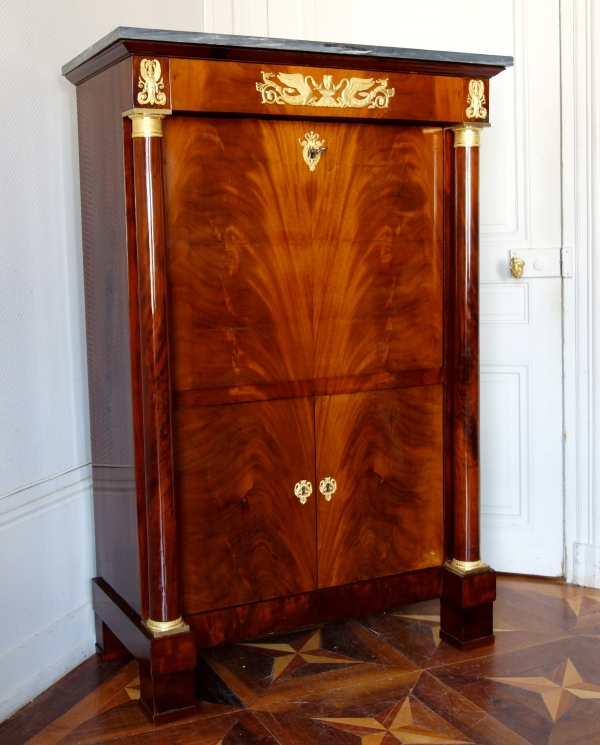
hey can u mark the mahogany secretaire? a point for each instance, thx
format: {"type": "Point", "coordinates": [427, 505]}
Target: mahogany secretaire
{"type": "Point", "coordinates": [281, 281]}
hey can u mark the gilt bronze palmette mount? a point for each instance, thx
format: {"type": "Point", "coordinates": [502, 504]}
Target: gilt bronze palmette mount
{"type": "Point", "coordinates": [151, 83]}
{"type": "Point", "coordinates": [476, 100]}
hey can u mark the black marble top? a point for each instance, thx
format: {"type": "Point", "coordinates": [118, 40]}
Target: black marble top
{"type": "Point", "coordinates": [256, 42]}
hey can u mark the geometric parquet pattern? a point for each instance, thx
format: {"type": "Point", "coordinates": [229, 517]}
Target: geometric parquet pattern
{"type": "Point", "coordinates": [380, 679]}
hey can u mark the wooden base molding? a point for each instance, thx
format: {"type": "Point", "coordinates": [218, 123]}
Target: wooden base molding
{"type": "Point", "coordinates": [319, 606]}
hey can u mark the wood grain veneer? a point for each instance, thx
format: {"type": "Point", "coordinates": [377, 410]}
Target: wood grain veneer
{"type": "Point", "coordinates": [297, 283]}
{"type": "Point", "coordinates": [315, 387]}
{"type": "Point", "coordinates": [384, 448]}
{"type": "Point", "coordinates": [105, 265]}
{"type": "Point", "coordinates": [377, 250]}
{"type": "Point", "coordinates": [239, 226]}
{"type": "Point", "coordinates": [326, 604]}
{"type": "Point", "coordinates": [449, 336]}
{"type": "Point", "coordinates": [244, 536]}
{"type": "Point", "coordinates": [163, 595]}
{"type": "Point", "coordinates": [230, 87]}
{"type": "Point", "coordinates": [466, 355]}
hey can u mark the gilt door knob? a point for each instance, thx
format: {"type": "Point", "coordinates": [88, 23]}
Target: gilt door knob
{"type": "Point", "coordinates": [516, 267]}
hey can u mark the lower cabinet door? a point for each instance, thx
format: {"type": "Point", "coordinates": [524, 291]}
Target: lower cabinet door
{"type": "Point", "coordinates": [244, 535]}
{"type": "Point", "coordinates": [384, 449]}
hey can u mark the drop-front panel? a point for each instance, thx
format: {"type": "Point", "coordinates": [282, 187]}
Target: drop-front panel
{"type": "Point", "coordinates": [280, 256]}
{"type": "Point", "coordinates": [278, 273]}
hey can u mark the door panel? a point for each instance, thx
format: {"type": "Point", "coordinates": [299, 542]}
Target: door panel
{"type": "Point", "coordinates": [377, 249]}
{"type": "Point", "coordinates": [238, 226]}
{"type": "Point", "coordinates": [304, 274]}
{"type": "Point", "coordinates": [385, 450]}
{"type": "Point", "coordinates": [244, 535]}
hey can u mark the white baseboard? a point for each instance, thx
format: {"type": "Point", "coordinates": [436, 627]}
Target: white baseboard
{"type": "Point", "coordinates": [586, 565]}
{"type": "Point", "coordinates": [47, 560]}
{"type": "Point", "coordinates": [35, 665]}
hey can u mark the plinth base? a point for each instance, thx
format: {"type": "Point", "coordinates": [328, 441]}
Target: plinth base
{"type": "Point", "coordinates": [167, 662]}
{"type": "Point", "coordinates": [466, 609]}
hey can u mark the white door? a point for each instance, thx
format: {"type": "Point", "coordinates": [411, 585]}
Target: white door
{"type": "Point", "coordinates": [521, 335]}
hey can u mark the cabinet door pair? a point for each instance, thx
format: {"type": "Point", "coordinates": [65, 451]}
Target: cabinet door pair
{"type": "Point", "coordinates": [245, 536]}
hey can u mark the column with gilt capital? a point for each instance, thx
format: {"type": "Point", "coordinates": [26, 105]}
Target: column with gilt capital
{"type": "Point", "coordinates": [466, 557]}
{"type": "Point", "coordinates": [163, 582]}
{"type": "Point", "coordinates": [468, 585]}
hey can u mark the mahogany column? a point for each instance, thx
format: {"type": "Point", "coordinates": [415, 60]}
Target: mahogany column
{"type": "Point", "coordinates": [166, 678]}
{"type": "Point", "coordinates": [469, 584]}
{"type": "Point", "coordinates": [150, 229]}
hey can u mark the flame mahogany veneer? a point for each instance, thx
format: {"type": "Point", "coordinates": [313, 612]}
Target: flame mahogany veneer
{"type": "Point", "coordinates": [252, 323]}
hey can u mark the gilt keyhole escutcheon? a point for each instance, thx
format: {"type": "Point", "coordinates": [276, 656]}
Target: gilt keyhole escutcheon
{"type": "Point", "coordinates": [303, 490]}
{"type": "Point", "coordinates": [327, 487]}
{"type": "Point", "coordinates": [312, 148]}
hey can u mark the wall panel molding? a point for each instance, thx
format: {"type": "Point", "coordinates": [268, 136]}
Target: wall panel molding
{"type": "Point", "coordinates": [294, 19]}
{"type": "Point", "coordinates": [513, 105]}
{"type": "Point", "coordinates": [501, 304]}
{"type": "Point", "coordinates": [580, 55]}
{"type": "Point", "coordinates": [243, 17]}
{"type": "Point", "coordinates": [48, 494]}
{"type": "Point", "coordinates": [506, 452]}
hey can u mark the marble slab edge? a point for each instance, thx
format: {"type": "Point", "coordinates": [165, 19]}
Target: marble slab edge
{"type": "Point", "coordinates": [124, 33]}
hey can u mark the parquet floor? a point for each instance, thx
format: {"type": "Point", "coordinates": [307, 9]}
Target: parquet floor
{"type": "Point", "coordinates": [379, 679]}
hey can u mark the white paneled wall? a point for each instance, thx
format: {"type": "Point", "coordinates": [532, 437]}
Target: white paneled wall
{"type": "Point", "coordinates": [246, 17]}
{"type": "Point", "coordinates": [394, 23]}
{"type": "Point", "coordinates": [46, 538]}
{"type": "Point", "coordinates": [580, 42]}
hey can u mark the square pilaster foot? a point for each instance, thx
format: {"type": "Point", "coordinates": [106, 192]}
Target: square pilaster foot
{"type": "Point", "coordinates": [167, 689]}
{"type": "Point", "coordinates": [467, 605]}
{"type": "Point", "coordinates": [167, 662]}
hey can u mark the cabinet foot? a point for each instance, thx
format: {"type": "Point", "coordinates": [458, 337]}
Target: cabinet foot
{"type": "Point", "coordinates": [168, 696]}
{"type": "Point", "coordinates": [167, 662]}
{"type": "Point", "coordinates": [108, 646]}
{"type": "Point", "coordinates": [467, 609]}
{"type": "Point", "coordinates": [167, 689]}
